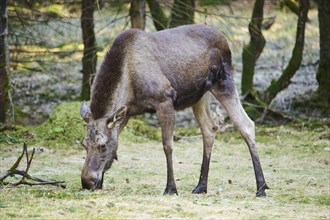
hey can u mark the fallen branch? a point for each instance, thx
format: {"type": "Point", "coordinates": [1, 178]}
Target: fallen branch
{"type": "Point", "coordinates": [24, 173]}
{"type": "Point", "coordinates": [273, 114]}
{"type": "Point", "coordinates": [260, 111]}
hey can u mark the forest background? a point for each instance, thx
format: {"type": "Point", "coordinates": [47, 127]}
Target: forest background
{"type": "Point", "coordinates": [49, 42]}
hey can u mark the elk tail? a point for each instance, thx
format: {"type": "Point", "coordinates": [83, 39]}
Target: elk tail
{"type": "Point", "coordinates": [224, 77]}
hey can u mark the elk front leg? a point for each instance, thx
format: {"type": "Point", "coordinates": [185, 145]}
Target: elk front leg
{"type": "Point", "coordinates": [166, 118]}
{"type": "Point", "coordinates": [208, 127]}
{"type": "Point", "coordinates": [230, 100]}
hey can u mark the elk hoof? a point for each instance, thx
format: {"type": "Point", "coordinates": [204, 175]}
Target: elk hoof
{"type": "Point", "coordinates": [261, 192]}
{"type": "Point", "coordinates": [170, 191]}
{"type": "Point", "coordinates": [200, 188]}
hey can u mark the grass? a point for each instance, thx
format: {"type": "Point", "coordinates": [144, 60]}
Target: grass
{"type": "Point", "coordinates": [295, 160]}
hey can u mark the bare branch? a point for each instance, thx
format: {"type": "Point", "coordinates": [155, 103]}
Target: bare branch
{"type": "Point", "coordinates": [13, 168]}
{"type": "Point", "coordinates": [24, 173]}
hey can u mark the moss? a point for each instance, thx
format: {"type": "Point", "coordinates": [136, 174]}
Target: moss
{"type": "Point", "coordinates": [7, 138]}
{"type": "Point", "coordinates": [138, 130]}
{"type": "Point", "coordinates": [252, 112]}
{"type": "Point", "coordinates": [252, 51]}
{"type": "Point", "coordinates": [64, 126]}
{"type": "Point", "coordinates": [16, 135]}
{"type": "Point", "coordinates": [21, 118]}
{"type": "Point", "coordinates": [189, 131]}
{"type": "Point", "coordinates": [285, 79]}
{"type": "Point", "coordinates": [249, 60]}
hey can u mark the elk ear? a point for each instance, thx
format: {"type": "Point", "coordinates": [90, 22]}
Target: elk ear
{"type": "Point", "coordinates": [85, 112]}
{"type": "Point", "coordinates": [117, 118]}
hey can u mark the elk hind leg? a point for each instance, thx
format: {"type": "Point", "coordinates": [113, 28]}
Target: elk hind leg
{"type": "Point", "coordinates": [208, 127]}
{"type": "Point", "coordinates": [229, 98]}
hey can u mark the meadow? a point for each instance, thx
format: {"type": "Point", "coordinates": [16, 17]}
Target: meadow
{"type": "Point", "coordinates": [295, 159]}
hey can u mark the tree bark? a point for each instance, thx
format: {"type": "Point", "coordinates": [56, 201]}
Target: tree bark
{"type": "Point", "coordinates": [159, 18]}
{"type": "Point", "coordinates": [4, 62]}
{"type": "Point", "coordinates": [292, 5]}
{"type": "Point", "coordinates": [137, 14]}
{"type": "Point", "coordinates": [182, 13]}
{"type": "Point", "coordinates": [323, 74]}
{"type": "Point", "coordinates": [89, 57]}
{"type": "Point", "coordinates": [295, 61]}
{"type": "Point", "coordinates": [252, 51]}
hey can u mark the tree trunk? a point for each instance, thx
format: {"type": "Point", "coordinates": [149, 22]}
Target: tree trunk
{"type": "Point", "coordinates": [182, 13]}
{"type": "Point", "coordinates": [159, 18]}
{"type": "Point", "coordinates": [137, 14]}
{"type": "Point", "coordinates": [295, 61]}
{"type": "Point", "coordinates": [252, 51]}
{"type": "Point", "coordinates": [292, 5]}
{"type": "Point", "coordinates": [4, 62]}
{"type": "Point", "coordinates": [89, 58]}
{"type": "Point", "coordinates": [323, 74]}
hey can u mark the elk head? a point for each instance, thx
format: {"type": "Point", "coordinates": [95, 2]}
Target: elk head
{"type": "Point", "coordinates": [101, 144]}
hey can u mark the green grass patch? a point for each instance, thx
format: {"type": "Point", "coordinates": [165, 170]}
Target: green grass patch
{"type": "Point", "coordinates": [323, 200]}
{"type": "Point", "coordinates": [138, 130]}
{"type": "Point", "coordinates": [64, 127]}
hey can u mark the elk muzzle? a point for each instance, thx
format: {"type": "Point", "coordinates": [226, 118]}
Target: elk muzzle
{"type": "Point", "coordinates": [92, 180]}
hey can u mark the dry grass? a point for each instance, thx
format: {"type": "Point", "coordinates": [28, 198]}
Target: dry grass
{"type": "Point", "coordinates": [295, 162]}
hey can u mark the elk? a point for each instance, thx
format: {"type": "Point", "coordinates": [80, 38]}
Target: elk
{"type": "Point", "coordinates": [162, 72]}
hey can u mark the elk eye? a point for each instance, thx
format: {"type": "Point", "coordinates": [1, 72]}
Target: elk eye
{"type": "Point", "coordinates": [103, 147]}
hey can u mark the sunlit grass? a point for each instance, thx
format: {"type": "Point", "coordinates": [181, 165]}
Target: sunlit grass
{"type": "Point", "coordinates": [295, 160]}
